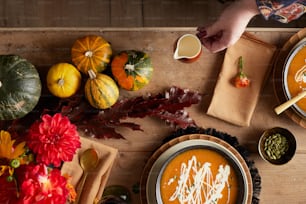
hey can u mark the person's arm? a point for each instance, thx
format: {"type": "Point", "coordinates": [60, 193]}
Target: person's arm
{"type": "Point", "coordinates": [281, 10]}
{"type": "Point", "coordinates": [229, 26]}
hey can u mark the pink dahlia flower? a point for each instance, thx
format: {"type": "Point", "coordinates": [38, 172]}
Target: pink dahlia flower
{"type": "Point", "coordinates": [43, 186]}
{"type": "Point", "coordinates": [54, 139]}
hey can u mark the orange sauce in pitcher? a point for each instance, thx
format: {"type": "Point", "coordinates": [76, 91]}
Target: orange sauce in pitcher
{"type": "Point", "coordinates": [188, 48]}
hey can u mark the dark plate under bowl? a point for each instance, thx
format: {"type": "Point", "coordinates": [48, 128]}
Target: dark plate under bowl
{"type": "Point", "coordinates": [205, 142]}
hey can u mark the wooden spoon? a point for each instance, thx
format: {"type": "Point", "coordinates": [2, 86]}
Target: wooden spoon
{"type": "Point", "coordinates": [88, 161]}
{"type": "Point", "coordinates": [279, 109]}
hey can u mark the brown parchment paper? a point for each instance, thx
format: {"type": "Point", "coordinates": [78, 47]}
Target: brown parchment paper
{"type": "Point", "coordinates": [96, 180]}
{"type": "Point", "coordinates": [236, 105]}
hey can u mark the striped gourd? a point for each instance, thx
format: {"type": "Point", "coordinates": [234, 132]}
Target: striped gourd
{"type": "Point", "coordinates": [20, 87]}
{"type": "Point", "coordinates": [101, 90]}
{"type": "Point", "coordinates": [132, 69]}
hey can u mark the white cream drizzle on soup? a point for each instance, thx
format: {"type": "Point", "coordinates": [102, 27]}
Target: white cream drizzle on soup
{"type": "Point", "coordinates": [199, 176]}
{"type": "Point", "coordinates": [296, 78]}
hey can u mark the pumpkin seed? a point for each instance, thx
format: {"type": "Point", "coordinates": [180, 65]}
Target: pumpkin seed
{"type": "Point", "coordinates": [275, 146]}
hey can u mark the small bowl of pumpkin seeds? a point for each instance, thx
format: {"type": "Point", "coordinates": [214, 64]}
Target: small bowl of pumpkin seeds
{"type": "Point", "coordinates": [277, 145]}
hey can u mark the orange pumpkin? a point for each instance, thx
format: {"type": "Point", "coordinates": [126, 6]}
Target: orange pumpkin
{"type": "Point", "coordinates": [91, 53]}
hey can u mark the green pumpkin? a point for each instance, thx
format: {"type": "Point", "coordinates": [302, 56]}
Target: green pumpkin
{"type": "Point", "coordinates": [20, 87]}
{"type": "Point", "coordinates": [132, 69]}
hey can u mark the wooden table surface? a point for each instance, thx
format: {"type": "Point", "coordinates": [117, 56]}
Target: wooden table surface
{"type": "Point", "coordinates": [280, 184]}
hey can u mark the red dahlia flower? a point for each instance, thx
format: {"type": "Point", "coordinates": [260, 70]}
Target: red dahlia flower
{"type": "Point", "coordinates": [43, 186]}
{"type": "Point", "coordinates": [54, 139]}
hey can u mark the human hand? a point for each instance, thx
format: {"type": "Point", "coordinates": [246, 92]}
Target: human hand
{"type": "Point", "coordinates": [229, 27]}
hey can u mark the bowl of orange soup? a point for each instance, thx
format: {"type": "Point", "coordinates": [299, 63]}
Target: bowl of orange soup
{"type": "Point", "coordinates": [199, 170]}
{"type": "Point", "coordinates": [294, 76]}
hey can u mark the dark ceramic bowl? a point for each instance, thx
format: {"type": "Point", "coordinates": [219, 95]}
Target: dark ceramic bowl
{"type": "Point", "coordinates": [187, 142]}
{"type": "Point", "coordinates": [295, 50]}
{"type": "Point", "coordinates": [289, 153]}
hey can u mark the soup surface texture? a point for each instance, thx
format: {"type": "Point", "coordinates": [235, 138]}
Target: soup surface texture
{"type": "Point", "coordinates": [199, 176]}
{"type": "Point", "coordinates": [296, 78]}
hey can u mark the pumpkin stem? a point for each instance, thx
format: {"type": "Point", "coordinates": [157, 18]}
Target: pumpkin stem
{"type": "Point", "coordinates": [88, 53]}
{"type": "Point", "coordinates": [61, 82]}
{"type": "Point", "coordinates": [92, 74]}
{"type": "Point", "coordinates": [129, 67]}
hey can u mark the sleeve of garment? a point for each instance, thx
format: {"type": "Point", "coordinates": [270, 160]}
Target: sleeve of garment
{"type": "Point", "coordinates": [282, 10]}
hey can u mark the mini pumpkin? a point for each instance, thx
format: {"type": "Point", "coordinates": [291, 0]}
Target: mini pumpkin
{"type": "Point", "coordinates": [101, 90]}
{"type": "Point", "coordinates": [132, 69]}
{"type": "Point", "coordinates": [63, 80]}
{"type": "Point", "coordinates": [91, 52]}
{"type": "Point", "coordinates": [20, 87]}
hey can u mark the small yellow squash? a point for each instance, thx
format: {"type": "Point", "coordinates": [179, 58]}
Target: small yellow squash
{"type": "Point", "coordinates": [63, 80]}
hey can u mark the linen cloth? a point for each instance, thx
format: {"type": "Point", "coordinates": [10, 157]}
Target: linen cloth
{"type": "Point", "coordinates": [96, 180]}
{"type": "Point", "coordinates": [236, 105]}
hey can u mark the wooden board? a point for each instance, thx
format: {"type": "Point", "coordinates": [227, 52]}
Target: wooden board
{"type": "Point", "coordinates": [44, 47]}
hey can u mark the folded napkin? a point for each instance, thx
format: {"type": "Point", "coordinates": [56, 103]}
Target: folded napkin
{"type": "Point", "coordinates": [236, 105]}
{"type": "Point", "coordinates": [96, 181]}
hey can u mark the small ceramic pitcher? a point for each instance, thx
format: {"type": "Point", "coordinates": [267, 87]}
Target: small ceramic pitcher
{"type": "Point", "coordinates": [188, 48]}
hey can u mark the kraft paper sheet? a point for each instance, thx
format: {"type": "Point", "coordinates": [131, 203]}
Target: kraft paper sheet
{"type": "Point", "coordinates": [237, 105]}
{"type": "Point", "coordinates": [96, 181]}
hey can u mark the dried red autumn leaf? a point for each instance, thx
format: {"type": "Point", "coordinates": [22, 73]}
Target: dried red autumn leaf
{"type": "Point", "coordinates": [168, 106]}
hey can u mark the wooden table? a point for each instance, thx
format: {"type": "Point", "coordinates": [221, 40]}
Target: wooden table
{"type": "Point", "coordinates": [280, 184]}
